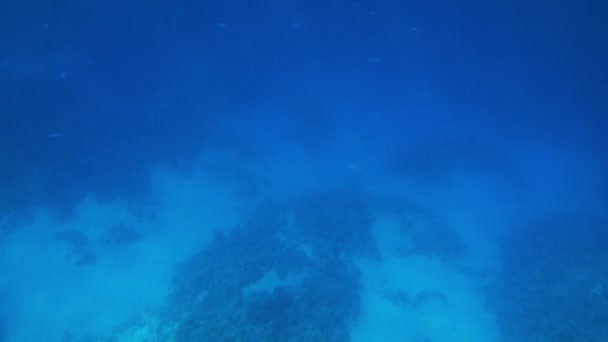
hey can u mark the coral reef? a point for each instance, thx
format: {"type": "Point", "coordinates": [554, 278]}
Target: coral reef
{"type": "Point", "coordinates": [417, 301]}
{"type": "Point", "coordinates": [80, 250]}
{"type": "Point", "coordinates": [286, 273]}
{"type": "Point", "coordinates": [439, 159]}
{"type": "Point", "coordinates": [429, 235]}
{"type": "Point", "coordinates": [336, 224]}
{"type": "Point", "coordinates": [120, 235]}
{"type": "Point", "coordinates": [209, 298]}
{"type": "Point", "coordinates": [551, 286]}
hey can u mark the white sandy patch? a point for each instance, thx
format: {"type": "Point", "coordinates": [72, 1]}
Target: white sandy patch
{"type": "Point", "coordinates": [48, 294]}
{"type": "Point", "coordinates": [460, 318]}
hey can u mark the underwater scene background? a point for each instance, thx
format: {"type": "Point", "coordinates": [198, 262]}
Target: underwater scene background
{"type": "Point", "coordinates": [421, 171]}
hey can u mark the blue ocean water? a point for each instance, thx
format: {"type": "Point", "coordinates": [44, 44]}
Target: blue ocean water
{"type": "Point", "coordinates": [421, 171]}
